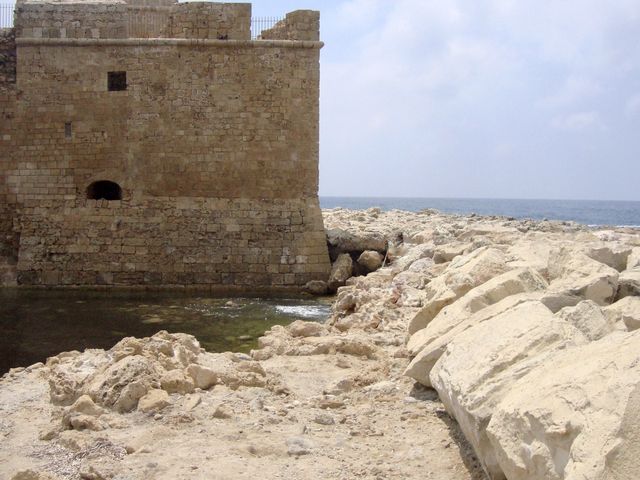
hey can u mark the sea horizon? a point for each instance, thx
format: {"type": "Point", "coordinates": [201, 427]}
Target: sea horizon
{"type": "Point", "coordinates": [619, 213]}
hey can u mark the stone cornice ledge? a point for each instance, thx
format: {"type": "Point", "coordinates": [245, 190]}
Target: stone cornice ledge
{"type": "Point", "coordinates": [155, 42]}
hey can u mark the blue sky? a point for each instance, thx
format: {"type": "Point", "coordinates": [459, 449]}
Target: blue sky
{"type": "Point", "coordinates": [478, 98]}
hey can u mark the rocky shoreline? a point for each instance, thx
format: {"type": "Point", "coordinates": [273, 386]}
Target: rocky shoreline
{"type": "Point", "coordinates": [464, 347]}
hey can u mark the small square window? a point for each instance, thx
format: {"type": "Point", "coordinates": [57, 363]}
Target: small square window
{"type": "Point", "coordinates": [67, 129]}
{"type": "Point", "coordinates": [116, 81]}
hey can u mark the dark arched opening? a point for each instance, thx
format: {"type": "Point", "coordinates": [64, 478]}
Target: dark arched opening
{"type": "Point", "coordinates": [104, 190]}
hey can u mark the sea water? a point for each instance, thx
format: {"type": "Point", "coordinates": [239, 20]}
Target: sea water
{"type": "Point", "coordinates": [587, 212]}
{"type": "Point", "coordinates": [37, 324]}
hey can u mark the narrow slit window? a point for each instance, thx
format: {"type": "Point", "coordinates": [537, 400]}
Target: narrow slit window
{"type": "Point", "coordinates": [67, 130]}
{"type": "Point", "coordinates": [116, 81]}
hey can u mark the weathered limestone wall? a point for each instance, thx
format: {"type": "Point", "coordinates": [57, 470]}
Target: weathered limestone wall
{"type": "Point", "coordinates": [8, 239]}
{"type": "Point", "coordinates": [234, 243]}
{"type": "Point", "coordinates": [214, 143]}
{"type": "Point", "coordinates": [204, 20]}
{"type": "Point", "coordinates": [298, 25]}
{"type": "Point", "coordinates": [218, 120]}
{"type": "Point", "coordinates": [71, 20]}
{"type": "Point", "coordinates": [137, 19]}
{"type": "Point", "coordinates": [224, 21]}
{"type": "Point", "coordinates": [7, 57]}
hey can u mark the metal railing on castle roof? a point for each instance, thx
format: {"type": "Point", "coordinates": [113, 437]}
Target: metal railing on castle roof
{"type": "Point", "coordinates": [147, 24]}
{"type": "Point", "coordinates": [258, 24]}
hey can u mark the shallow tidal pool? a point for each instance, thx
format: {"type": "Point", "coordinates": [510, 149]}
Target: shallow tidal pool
{"type": "Point", "coordinates": [37, 324]}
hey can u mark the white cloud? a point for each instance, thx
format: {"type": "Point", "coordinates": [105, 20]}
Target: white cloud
{"type": "Point", "coordinates": [578, 121]}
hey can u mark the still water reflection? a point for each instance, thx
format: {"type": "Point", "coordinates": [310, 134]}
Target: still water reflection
{"type": "Point", "coordinates": [39, 324]}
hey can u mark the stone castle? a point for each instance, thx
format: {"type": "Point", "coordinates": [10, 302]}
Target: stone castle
{"type": "Point", "coordinates": [157, 144]}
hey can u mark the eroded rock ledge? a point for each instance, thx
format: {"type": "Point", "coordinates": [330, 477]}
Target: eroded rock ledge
{"type": "Point", "coordinates": [526, 330]}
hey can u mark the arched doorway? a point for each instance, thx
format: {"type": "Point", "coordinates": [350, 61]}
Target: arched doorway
{"type": "Point", "coordinates": [104, 190]}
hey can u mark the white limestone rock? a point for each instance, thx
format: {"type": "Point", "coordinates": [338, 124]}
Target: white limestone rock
{"type": "Point", "coordinates": [530, 251]}
{"type": "Point", "coordinates": [629, 283]}
{"type": "Point", "coordinates": [300, 328]}
{"type": "Point", "coordinates": [615, 255]}
{"type": "Point", "coordinates": [462, 275]}
{"type": "Point", "coordinates": [370, 260]}
{"type": "Point", "coordinates": [449, 251]}
{"type": "Point", "coordinates": [633, 260]}
{"type": "Point", "coordinates": [412, 255]}
{"type": "Point", "coordinates": [426, 354]}
{"type": "Point", "coordinates": [169, 350]}
{"type": "Point", "coordinates": [510, 283]}
{"type": "Point", "coordinates": [202, 377]}
{"type": "Point", "coordinates": [589, 318]}
{"type": "Point", "coordinates": [573, 272]}
{"type": "Point", "coordinates": [154, 401]}
{"type": "Point", "coordinates": [342, 241]}
{"type": "Point", "coordinates": [624, 313]}
{"type": "Point", "coordinates": [122, 384]}
{"type": "Point", "coordinates": [341, 271]}
{"type": "Point", "coordinates": [481, 365]}
{"type": "Point", "coordinates": [83, 415]}
{"type": "Point", "coordinates": [176, 381]}
{"type": "Point", "coordinates": [576, 416]}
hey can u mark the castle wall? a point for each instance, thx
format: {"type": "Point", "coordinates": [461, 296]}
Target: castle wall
{"type": "Point", "coordinates": [71, 20]}
{"type": "Point", "coordinates": [137, 19]}
{"type": "Point", "coordinates": [224, 21]}
{"type": "Point", "coordinates": [8, 238]}
{"type": "Point", "coordinates": [234, 243]}
{"type": "Point", "coordinates": [215, 146]}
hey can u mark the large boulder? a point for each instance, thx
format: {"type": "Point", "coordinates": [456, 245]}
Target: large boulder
{"type": "Point", "coordinates": [341, 271]}
{"type": "Point", "coordinates": [427, 346]}
{"type": "Point", "coordinates": [449, 251]}
{"type": "Point", "coordinates": [614, 255]}
{"type": "Point", "coordinates": [625, 313]}
{"type": "Point", "coordinates": [418, 274]}
{"type": "Point", "coordinates": [154, 401]}
{"type": "Point", "coordinates": [432, 348]}
{"type": "Point", "coordinates": [119, 378]}
{"type": "Point", "coordinates": [370, 260]}
{"type": "Point", "coordinates": [531, 251]}
{"type": "Point", "coordinates": [573, 272]}
{"type": "Point", "coordinates": [633, 260]}
{"type": "Point", "coordinates": [629, 283]}
{"type": "Point", "coordinates": [316, 287]}
{"type": "Point", "coordinates": [589, 318]}
{"type": "Point", "coordinates": [413, 254]}
{"type": "Point", "coordinates": [576, 416]}
{"type": "Point", "coordinates": [482, 364]}
{"type": "Point", "coordinates": [522, 280]}
{"type": "Point", "coordinates": [341, 241]}
{"type": "Point", "coordinates": [122, 384]}
{"type": "Point", "coordinates": [463, 274]}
